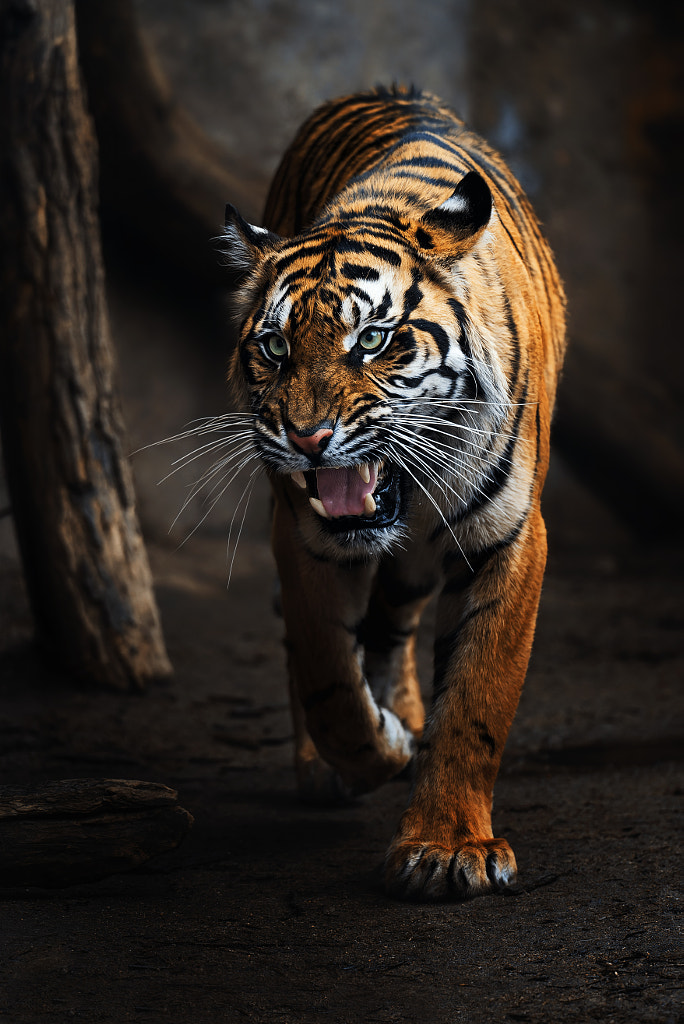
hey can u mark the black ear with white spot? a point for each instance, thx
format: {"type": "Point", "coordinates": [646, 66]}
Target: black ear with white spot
{"type": "Point", "coordinates": [455, 226]}
{"type": "Point", "coordinates": [243, 244]}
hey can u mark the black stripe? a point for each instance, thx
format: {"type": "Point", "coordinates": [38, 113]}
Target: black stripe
{"type": "Point", "coordinates": [464, 324]}
{"type": "Point", "coordinates": [537, 424]}
{"type": "Point", "coordinates": [496, 478]}
{"type": "Point", "coordinates": [515, 341]}
{"type": "Point", "coordinates": [459, 584]}
{"type": "Point", "coordinates": [352, 158]}
{"type": "Point", "coordinates": [424, 161]}
{"type": "Point", "coordinates": [436, 140]}
{"type": "Point", "coordinates": [445, 183]}
{"type": "Point", "coordinates": [355, 272]}
{"type": "Point", "coordinates": [304, 251]}
{"type": "Point", "coordinates": [446, 645]}
{"type": "Point", "coordinates": [388, 255]}
{"type": "Point", "coordinates": [437, 332]}
{"type": "Point", "coordinates": [358, 413]}
{"type": "Point", "coordinates": [360, 294]}
{"type": "Point", "coordinates": [485, 736]}
{"type": "Point", "coordinates": [412, 298]}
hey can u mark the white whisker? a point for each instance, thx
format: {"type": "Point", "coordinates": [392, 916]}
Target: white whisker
{"type": "Point", "coordinates": [430, 457]}
{"type": "Point", "coordinates": [225, 464]}
{"type": "Point", "coordinates": [246, 495]}
{"type": "Point", "coordinates": [428, 424]}
{"type": "Point", "coordinates": [427, 494]}
{"type": "Point", "coordinates": [215, 446]}
{"type": "Point", "coordinates": [206, 425]}
{"type": "Point", "coordinates": [234, 462]}
{"type": "Point", "coordinates": [218, 497]}
{"type": "Point", "coordinates": [215, 468]}
{"type": "Point", "coordinates": [428, 454]}
{"type": "Point", "coordinates": [440, 446]}
{"type": "Point", "coordinates": [417, 417]}
{"type": "Point", "coordinates": [196, 452]}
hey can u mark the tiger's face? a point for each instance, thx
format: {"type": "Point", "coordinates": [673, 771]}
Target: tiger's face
{"type": "Point", "coordinates": [352, 354]}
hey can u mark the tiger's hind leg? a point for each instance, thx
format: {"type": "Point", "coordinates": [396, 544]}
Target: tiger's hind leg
{"type": "Point", "coordinates": [388, 636]}
{"type": "Point", "coordinates": [317, 781]}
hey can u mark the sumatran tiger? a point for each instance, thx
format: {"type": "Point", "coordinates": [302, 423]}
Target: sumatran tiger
{"type": "Point", "coordinates": [401, 328]}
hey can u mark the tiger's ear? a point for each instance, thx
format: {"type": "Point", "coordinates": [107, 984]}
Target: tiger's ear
{"type": "Point", "coordinates": [453, 228]}
{"type": "Point", "coordinates": [243, 244]}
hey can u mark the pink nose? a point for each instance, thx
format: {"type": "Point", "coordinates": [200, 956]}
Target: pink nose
{"type": "Point", "coordinates": [310, 444]}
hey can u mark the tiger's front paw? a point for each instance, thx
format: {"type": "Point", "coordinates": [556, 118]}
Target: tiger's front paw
{"type": "Point", "coordinates": [416, 870]}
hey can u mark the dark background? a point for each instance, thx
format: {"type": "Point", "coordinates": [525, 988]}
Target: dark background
{"type": "Point", "coordinates": [271, 911]}
{"type": "Point", "coordinates": [584, 99]}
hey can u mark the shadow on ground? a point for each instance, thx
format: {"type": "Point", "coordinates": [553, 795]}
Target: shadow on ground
{"type": "Point", "coordinates": [271, 910]}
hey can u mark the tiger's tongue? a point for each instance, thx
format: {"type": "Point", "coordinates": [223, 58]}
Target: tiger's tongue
{"type": "Point", "coordinates": [342, 491]}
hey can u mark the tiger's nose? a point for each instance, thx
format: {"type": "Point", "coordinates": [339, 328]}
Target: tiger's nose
{"type": "Point", "coordinates": [310, 444]}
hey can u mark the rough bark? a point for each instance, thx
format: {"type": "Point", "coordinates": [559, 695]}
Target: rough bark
{"type": "Point", "coordinates": [72, 496]}
{"type": "Point", "coordinates": [79, 830]}
{"type": "Point", "coordinates": [163, 179]}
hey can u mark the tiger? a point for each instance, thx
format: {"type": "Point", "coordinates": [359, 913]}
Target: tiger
{"type": "Point", "coordinates": [399, 333]}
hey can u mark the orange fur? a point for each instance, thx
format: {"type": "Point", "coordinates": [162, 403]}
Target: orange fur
{"type": "Point", "coordinates": [403, 313]}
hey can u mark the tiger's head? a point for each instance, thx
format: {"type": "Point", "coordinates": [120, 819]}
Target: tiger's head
{"type": "Point", "coordinates": [366, 362]}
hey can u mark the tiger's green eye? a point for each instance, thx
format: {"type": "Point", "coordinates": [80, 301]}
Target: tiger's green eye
{"type": "Point", "coordinates": [372, 339]}
{"type": "Point", "coordinates": [275, 346]}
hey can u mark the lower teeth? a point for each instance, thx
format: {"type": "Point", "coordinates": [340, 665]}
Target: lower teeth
{"type": "Point", "coordinates": [369, 505]}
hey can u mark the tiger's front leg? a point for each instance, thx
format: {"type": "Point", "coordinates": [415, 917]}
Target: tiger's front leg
{"type": "Point", "coordinates": [444, 846]}
{"type": "Point", "coordinates": [335, 715]}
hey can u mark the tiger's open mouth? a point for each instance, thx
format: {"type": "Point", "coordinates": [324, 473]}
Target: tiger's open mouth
{"type": "Point", "coordinates": [363, 497]}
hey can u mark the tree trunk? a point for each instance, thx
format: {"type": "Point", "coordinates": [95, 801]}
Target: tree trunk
{"type": "Point", "coordinates": [80, 830]}
{"type": "Point", "coordinates": [72, 496]}
{"type": "Point", "coordinates": [163, 179]}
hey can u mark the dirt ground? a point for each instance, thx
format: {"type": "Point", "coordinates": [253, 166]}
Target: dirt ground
{"type": "Point", "coordinates": [271, 910]}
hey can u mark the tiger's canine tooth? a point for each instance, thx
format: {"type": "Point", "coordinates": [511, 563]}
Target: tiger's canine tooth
{"type": "Point", "coordinates": [298, 478]}
{"type": "Point", "coordinates": [369, 505]}
{"type": "Point", "coordinates": [364, 472]}
{"type": "Point", "coordinates": [318, 506]}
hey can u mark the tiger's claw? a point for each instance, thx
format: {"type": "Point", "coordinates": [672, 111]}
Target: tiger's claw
{"type": "Point", "coordinates": [426, 872]}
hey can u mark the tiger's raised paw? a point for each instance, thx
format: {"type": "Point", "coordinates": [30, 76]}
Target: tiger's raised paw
{"type": "Point", "coordinates": [424, 871]}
